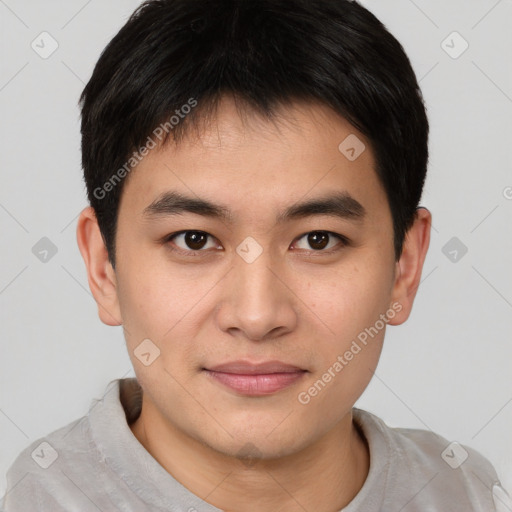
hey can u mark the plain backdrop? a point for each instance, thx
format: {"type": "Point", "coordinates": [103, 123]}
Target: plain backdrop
{"type": "Point", "coordinates": [447, 369]}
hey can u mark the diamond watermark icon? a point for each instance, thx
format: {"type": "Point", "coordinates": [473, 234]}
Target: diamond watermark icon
{"type": "Point", "coordinates": [249, 455]}
{"type": "Point", "coordinates": [454, 45]}
{"type": "Point", "coordinates": [454, 455]}
{"type": "Point", "coordinates": [44, 45]}
{"type": "Point", "coordinates": [352, 147]}
{"type": "Point", "coordinates": [146, 352]}
{"type": "Point", "coordinates": [249, 250]}
{"type": "Point", "coordinates": [454, 250]}
{"type": "Point", "coordinates": [44, 455]}
{"type": "Point", "coordinates": [44, 250]}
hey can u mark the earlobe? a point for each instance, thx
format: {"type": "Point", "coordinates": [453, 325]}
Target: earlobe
{"type": "Point", "coordinates": [100, 274]}
{"type": "Point", "coordinates": [410, 265]}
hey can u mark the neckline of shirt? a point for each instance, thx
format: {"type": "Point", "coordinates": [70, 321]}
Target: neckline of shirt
{"type": "Point", "coordinates": [127, 457]}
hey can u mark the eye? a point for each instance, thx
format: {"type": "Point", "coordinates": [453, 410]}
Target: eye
{"type": "Point", "coordinates": [191, 241]}
{"type": "Point", "coordinates": [320, 241]}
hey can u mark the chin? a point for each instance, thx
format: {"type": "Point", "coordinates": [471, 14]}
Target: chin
{"type": "Point", "coordinates": [257, 444]}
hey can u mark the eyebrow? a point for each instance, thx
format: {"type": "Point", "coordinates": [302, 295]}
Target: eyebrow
{"type": "Point", "coordinates": [341, 205]}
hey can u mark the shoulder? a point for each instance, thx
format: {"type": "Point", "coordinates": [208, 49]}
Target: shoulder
{"type": "Point", "coordinates": [44, 474]}
{"type": "Point", "coordinates": [444, 474]}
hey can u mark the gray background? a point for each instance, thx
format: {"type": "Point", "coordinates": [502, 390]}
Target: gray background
{"type": "Point", "coordinates": [447, 369]}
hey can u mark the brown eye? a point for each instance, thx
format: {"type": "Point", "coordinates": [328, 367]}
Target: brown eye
{"type": "Point", "coordinates": [192, 241]}
{"type": "Point", "coordinates": [195, 240]}
{"type": "Point", "coordinates": [320, 240]}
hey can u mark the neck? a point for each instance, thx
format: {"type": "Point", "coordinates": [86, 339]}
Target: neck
{"type": "Point", "coordinates": [325, 476]}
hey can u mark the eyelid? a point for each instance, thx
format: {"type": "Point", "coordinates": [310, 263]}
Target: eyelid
{"type": "Point", "coordinates": [168, 239]}
{"type": "Point", "coordinates": [343, 239]}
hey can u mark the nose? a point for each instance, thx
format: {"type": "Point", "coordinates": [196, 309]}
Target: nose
{"type": "Point", "coordinates": [257, 301]}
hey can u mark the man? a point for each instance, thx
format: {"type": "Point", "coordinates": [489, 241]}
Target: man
{"type": "Point", "coordinates": [254, 170]}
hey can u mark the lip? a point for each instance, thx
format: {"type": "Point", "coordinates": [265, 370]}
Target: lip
{"type": "Point", "coordinates": [257, 379]}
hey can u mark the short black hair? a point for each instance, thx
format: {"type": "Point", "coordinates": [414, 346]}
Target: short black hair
{"type": "Point", "coordinates": [177, 57]}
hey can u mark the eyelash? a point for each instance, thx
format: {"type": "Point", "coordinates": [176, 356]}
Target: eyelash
{"type": "Point", "coordinates": [191, 252]}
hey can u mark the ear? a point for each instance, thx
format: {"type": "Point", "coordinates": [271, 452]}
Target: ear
{"type": "Point", "coordinates": [410, 265]}
{"type": "Point", "coordinates": [100, 274]}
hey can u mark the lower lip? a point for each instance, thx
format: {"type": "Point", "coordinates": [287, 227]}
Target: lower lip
{"type": "Point", "coordinates": [256, 385]}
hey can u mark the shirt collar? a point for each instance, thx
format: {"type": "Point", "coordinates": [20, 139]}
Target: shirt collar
{"type": "Point", "coordinates": [134, 465]}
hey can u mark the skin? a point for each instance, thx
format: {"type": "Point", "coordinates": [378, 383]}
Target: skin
{"type": "Point", "coordinates": [293, 303]}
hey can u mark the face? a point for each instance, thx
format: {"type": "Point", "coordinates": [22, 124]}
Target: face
{"type": "Point", "coordinates": [289, 265]}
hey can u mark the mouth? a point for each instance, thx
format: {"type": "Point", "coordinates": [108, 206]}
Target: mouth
{"type": "Point", "coordinates": [250, 379]}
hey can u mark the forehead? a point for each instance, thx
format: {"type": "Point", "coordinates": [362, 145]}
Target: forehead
{"type": "Point", "coordinates": [239, 160]}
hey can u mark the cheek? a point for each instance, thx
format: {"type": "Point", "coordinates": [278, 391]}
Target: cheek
{"type": "Point", "coordinates": [153, 303]}
{"type": "Point", "coordinates": [168, 309]}
{"type": "Point", "coordinates": [349, 304]}
{"type": "Point", "coordinates": [348, 299]}
{"type": "Point", "coordinates": [333, 391]}
{"type": "Point", "coordinates": [150, 302]}
{"type": "Point", "coordinates": [347, 356]}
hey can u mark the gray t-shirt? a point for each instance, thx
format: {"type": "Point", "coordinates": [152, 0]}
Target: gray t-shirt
{"type": "Point", "coordinates": [96, 463]}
